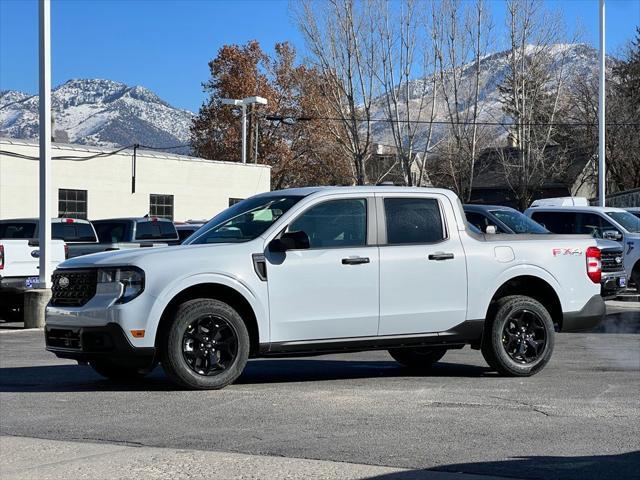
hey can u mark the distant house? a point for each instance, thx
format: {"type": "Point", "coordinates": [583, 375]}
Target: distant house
{"type": "Point", "coordinates": [576, 178]}
{"type": "Point", "coordinates": [384, 166]}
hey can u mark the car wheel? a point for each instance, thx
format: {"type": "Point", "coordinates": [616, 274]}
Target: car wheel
{"type": "Point", "coordinates": [117, 372]}
{"type": "Point", "coordinates": [417, 358]}
{"type": "Point", "coordinates": [519, 339]}
{"type": "Point", "coordinates": [207, 345]}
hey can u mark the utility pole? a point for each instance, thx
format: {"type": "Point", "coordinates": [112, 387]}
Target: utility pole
{"type": "Point", "coordinates": [45, 143]}
{"type": "Point", "coordinates": [602, 177]}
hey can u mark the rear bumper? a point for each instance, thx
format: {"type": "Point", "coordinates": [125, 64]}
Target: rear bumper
{"type": "Point", "coordinates": [85, 344]}
{"type": "Point", "coordinates": [13, 284]}
{"type": "Point", "coordinates": [587, 318]}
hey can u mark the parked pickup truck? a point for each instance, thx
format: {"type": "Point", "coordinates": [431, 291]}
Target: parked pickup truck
{"type": "Point", "coordinates": [137, 232]}
{"type": "Point", "coordinates": [505, 220]}
{"type": "Point", "coordinates": [316, 270]}
{"type": "Point", "coordinates": [19, 261]}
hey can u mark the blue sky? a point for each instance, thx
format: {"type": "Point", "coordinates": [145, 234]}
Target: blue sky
{"type": "Point", "coordinates": [165, 45]}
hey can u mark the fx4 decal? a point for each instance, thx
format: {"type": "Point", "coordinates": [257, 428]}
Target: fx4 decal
{"type": "Point", "coordinates": [566, 251]}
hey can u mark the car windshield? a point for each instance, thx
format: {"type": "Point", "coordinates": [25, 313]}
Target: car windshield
{"type": "Point", "coordinates": [244, 221]}
{"type": "Point", "coordinates": [629, 222]}
{"type": "Point", "coordinates": [518, 222]}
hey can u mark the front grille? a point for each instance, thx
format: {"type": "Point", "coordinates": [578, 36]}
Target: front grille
{"type": "Point", "coordinates": [78, 288]}
{"type": "Point", "coordinates": [63, 338]}
{"type": "Point", "coordinates": [609, 262]}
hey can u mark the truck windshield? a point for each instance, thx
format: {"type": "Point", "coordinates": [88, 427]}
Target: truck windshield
{"type": "Point", "coordinates": [17, 229]}
{"type": "Point", "coordinates": [518, 222]}
{"type": "Point", "coordinates": [627, 221]}
{"type": "Point", "coordinates": [244, 221]}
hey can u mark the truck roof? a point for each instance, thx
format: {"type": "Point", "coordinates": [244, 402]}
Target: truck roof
{"type": "Point", "coordinates": [305, 191]}
{"type": "Point", "coordinates": [577, 209]}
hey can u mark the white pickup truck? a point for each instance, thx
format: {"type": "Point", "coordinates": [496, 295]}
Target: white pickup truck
{"type": "Point", "coordinates": [19, 261]}
{"type": "Point", "coordinates": [317, 270]}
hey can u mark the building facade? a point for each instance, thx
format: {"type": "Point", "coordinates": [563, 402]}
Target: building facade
{"type": "Point", "coordinates": [94, 182]}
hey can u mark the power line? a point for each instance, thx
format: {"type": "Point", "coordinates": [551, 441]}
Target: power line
{"type": "Point", "coordinates": [91, 157]}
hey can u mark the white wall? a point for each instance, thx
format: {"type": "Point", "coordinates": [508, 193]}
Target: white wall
{"type": "Point", "coordinates": [201, 188]}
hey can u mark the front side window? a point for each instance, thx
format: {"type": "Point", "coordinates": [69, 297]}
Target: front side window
{"type": "Point", "coordinates": [334, 224]}
{"type": "Point", "coordinates": [518, 222]}
{"type": "Point", "coordinates": [161, 206]}
{"type": "Point", "coordinates": [72, 203]}
{"type": "Point", "coordinates": [413, 220]}
{"type": "Point", "coordinates": [481, 222]}
{"type": "Point", "coordinates": [244, 221]}
{"type": "Point", "coordinates": [113, 232]}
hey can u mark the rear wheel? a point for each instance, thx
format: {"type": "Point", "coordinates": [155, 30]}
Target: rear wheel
{"type": "Point", "coordinates": [207, 345]}
{"type": "Point", "coordinates": [417, 358]}
{"type": "Point", "coordinates": [519, 339]}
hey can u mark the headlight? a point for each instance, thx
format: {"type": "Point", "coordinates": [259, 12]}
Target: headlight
{"type": "Point", "coordinates": [131, 278]}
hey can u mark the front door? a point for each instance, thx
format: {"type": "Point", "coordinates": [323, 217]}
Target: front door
{"type": "Point", "coordinates": [423, 274]}
{"type": "Point", "coordinates": [331, 289]}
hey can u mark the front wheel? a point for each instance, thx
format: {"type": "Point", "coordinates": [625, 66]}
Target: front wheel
{"type": "Point", "coordinates": [207, 345]}
{"type": "Point", "coordinates": [518, 341]}
{"type": "Point", "coordinates": [417, 358]}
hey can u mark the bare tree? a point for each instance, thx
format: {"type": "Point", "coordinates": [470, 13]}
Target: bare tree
{"type": "Point", "coordinates": [341, 40]}
{"type": "Point", "coordinates": [461, 39]}
{"type": "Point", "coordinates": [531, 96]}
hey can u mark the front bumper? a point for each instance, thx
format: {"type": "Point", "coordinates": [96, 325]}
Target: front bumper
{"type": "Point", "coordinates": [613, 283]}
{"type": "Point", "coordinates": [85, 344]}
{"type": "Point", "coordinates": [587, 318]}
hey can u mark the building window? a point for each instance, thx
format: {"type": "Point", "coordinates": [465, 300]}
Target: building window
{"type": "Point", "coordinates": [72, 203]}
{"type": "Point", "coordinates": [161, 206]}
{"type": "Point", "coordinates": [233, 201]}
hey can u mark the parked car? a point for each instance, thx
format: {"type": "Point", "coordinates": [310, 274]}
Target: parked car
{"type": "Point", "coordinates": [19, 261]}
{"type": "Point", "coordinates": [634, 211]}
{"type": "Point", "coordinates": [78, 234]}
{"type": "Point", "coordinates": [317, 270]}
{"type": "Point", "coordinates": [185, 230]}
{"type": "Point", "coordinates": [136, 232]}
{"type": "Point", "coordinates": [601, 222]}
{"type": "Point", "coordinates": [506, 220]}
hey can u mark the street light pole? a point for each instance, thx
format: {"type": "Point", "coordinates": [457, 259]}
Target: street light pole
{"type": "Point", "coordinates": [45, 143]}
{"type": "Point", "coordinates": [243, 104]}
{"type": "Point", "coordinates": [244, 133]}
{"type": "Point", "coordinates": [602, 177]}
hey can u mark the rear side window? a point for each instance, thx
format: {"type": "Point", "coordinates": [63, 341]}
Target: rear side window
{"type": "Point", "coordinates": [557, 222]}
{"type": "Point", "coordinates": [413, 220]}
{"type": "Point", "coordinates": [150, 230]}
{"type": "Point", "coordinates": [334, 224]}
{"type": "Point", "coordinates": [17, 230]}
{"type": "Point", "coordinates": [72, 232]}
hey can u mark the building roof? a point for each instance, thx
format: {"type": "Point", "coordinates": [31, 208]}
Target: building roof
{"type": "Point", "coordinates": [90, 149]}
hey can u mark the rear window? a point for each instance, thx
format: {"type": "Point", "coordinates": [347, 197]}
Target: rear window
{"type": "Point", "coordinates": [113, 232]}
{"type": "Point", "coordinates": [150, 230]}
{"type": "Point", "coordinates": [413, 220]}
{"type": "Point", "coordinates": [17, 230]}
{"type": "Point", "coordinates": [72, 232]}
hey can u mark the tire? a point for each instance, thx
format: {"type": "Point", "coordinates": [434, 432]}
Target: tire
{"type": "Point", "coordinates": [117, 372]}
{"type": "Point", "coordinates": [635, 276]}
{"type": "Point", "coordinates": [417, 358]}
{"type": "Point", "coordinates": [509, 349]}
{"type": "Point", "coordinates": [191, 352]}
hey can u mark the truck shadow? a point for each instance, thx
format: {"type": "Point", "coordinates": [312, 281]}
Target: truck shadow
{"type": "Point", "coordinates": [624, 465]}
{"type": "Point", "coordinates": [73, 378]}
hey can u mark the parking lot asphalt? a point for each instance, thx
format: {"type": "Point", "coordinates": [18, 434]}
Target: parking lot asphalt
{"type": "Point", "coordinates": [577, 419]}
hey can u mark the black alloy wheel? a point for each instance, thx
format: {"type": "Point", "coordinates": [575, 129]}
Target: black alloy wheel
{"type": "Point", "coordinates": [524, 336]}
{"type": "Point", "coordinates": [209, 345]}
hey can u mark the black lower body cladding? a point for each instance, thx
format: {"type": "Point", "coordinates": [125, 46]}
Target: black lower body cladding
{"type": "Point", "coordinates": [587, 318]}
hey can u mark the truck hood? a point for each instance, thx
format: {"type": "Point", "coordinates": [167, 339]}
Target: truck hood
{"type": "Point", "coordinates": [141, 256]}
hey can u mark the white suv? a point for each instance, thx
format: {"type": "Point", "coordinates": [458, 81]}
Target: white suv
{"type": "Point", "coordinates": [318, 270]}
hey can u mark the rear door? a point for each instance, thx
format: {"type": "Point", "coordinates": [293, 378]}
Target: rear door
{"type": "Point", "coordinates": [423, 274]}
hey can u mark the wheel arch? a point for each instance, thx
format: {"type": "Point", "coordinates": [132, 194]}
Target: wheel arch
{"type": "Point", "coordinates": [217, 291]}
{"type": "Point", "coordinates": [530, 286]}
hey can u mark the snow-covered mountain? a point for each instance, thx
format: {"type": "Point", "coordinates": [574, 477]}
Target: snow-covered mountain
{"type": "Point", "coordinates": [99, 112]}
{"type": "Point", "coordinates": [573, 61]}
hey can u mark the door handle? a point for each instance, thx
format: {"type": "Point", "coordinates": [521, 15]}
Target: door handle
{"type": "Point", "coordinates": [355, 260]}
{"type": "Point", "coordinates": [440, 256]}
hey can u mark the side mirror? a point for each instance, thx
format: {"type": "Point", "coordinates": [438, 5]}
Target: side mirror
{"type": "Point", "coordinates": [491, 230]}
{"type": "Point", "coordinates": [290, 241]}
{"type": "Point", "coordinates": [612, 235]}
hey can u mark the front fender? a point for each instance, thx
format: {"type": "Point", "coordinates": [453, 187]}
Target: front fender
{"type": "Point", "coordinates": [174, 288]}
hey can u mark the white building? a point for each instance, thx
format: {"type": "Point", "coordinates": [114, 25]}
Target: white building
{"type": "Point", "coordinates": [94, 183]}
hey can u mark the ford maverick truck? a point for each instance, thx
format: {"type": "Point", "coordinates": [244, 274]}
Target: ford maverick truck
{"type": "Point", "coordinates": [328, 269]}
